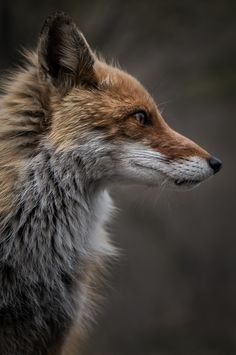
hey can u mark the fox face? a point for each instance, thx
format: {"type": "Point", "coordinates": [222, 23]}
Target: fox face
{"type": "Point", "coordinates": [108, 119]}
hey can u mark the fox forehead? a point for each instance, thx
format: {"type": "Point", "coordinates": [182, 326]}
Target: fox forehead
{"type": "Point", "coordinates": [124, 86]}
{"type": "Point", "coordinates": [116, 96]}
{"type": "Point", "coordinates": [117, 91]}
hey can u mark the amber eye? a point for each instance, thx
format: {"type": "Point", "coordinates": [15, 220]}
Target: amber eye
{"type": "Point", "coordinates": [142, 118]}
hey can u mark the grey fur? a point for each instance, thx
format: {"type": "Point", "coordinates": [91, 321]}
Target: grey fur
{"type": "Point", "coordinates": [45, 249]}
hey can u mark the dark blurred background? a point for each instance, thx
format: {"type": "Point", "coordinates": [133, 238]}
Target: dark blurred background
{"type": "Point", "coordinates": [174, 288]}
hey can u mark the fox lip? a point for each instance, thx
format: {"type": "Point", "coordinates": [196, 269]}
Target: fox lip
{"type": "Point", "coordinates": [179, 182]}
{"type": "Point", "coordinates": [186, 182]}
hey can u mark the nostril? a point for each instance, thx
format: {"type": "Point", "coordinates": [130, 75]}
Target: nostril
{"type": "Point", "coordinates": [215, 164]}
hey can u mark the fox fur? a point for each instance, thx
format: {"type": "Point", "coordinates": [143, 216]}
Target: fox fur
{"type": "Point", "coordinates": [70, 127]}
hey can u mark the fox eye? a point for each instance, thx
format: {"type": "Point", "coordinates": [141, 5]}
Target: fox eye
{"type": "Point", "coordinates": [142, 118]}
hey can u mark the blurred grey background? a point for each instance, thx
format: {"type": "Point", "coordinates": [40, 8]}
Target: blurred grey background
{"type": "Point", "coordinates": [174, 289]}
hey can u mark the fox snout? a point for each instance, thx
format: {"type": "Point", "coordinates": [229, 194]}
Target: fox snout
{"type": "Point", "coordinates": [167, 157]}
{"type": "Point", "coordinates": [176, 146]}
{"type": "Point", "coordinates": [189, 160]}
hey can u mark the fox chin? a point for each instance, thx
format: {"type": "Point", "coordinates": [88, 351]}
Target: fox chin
{"type": "Point", "coordinates": [70, 126]}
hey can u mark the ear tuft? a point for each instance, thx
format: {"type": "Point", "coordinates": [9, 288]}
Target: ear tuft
{"type": "Point", "coordinates": [64, 55]}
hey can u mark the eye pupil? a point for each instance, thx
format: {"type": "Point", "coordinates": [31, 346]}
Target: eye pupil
{"type": "Point", "coordinates": [142, 118]}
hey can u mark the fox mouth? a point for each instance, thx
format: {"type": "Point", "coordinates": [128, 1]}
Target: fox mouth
{"type": "Point", "coordinates": [186, 182]}
{"type": "Point", "coordinates": [179, 182]}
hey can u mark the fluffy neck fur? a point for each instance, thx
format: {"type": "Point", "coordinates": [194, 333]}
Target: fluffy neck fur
{"type": "Point", "coordinates": [57, 207]}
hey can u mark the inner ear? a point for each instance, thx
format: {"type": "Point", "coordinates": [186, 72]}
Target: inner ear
{"type": "Point", "coordinates": [64, 55]}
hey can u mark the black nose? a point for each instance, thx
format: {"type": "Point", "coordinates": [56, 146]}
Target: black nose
{"type": "Point", "coordinates": [215, 164]}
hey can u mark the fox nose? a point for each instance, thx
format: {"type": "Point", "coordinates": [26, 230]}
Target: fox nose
{"type": "Point", "coordinates": [215, 164]}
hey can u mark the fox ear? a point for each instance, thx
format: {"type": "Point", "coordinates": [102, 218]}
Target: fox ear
{"type": "Point", "coordinates": [64, 55]}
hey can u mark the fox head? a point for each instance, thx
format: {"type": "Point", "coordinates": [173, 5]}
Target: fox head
{"type": "Point", "coordinates": [107, 118]}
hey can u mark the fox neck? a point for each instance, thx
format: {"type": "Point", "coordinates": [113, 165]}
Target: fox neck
{"type": "Point", "coordinates": [57, 216]}
{"type": "Point", "coordinates": [50, 243]}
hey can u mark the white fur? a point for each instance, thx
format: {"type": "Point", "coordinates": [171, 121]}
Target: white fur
{"type": "Point", "coordinates": [111, 162]}
{"type": "Point", "coordinates": [143, 164]}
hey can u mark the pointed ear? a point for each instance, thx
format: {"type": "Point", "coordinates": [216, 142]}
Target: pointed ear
{"type": "Point", "coordinates": [64, 55]}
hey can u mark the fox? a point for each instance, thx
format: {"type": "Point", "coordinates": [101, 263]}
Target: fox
{"type": "Point", "coordinates": [71, 127]}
